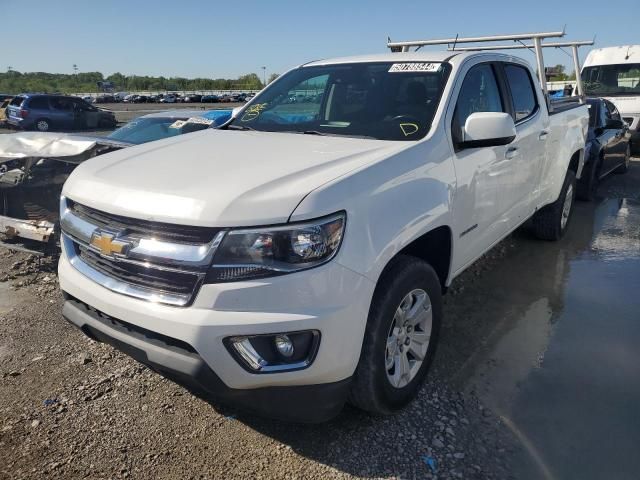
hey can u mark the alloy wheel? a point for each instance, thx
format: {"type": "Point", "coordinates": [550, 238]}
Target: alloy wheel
{"type": "Point", "coordinates": [408, 338]}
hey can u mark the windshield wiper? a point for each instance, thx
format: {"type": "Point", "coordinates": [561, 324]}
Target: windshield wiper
{"type": "Point", "coordinates": [327, 134]}
{"type": "Point", "coordinates": [313, 132]}
{"type": "Point", "coordinates": [240, 127]}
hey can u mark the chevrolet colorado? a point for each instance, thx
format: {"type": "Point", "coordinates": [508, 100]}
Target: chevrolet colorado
{"type": "Point", "coordinates": [296, 258]}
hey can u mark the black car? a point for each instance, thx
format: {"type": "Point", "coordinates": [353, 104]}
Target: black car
{"type": "Point", "coordinates": [209, 99]}
{"type": "Point", "coordinates": [105, 99]}
{"type": "Point", "coordinates": [195, 98]}
{"type": "Point", "coordinates": [608, 147]}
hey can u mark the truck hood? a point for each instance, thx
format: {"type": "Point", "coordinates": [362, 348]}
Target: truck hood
{"type": "Point", "coordinates": [218, 177]}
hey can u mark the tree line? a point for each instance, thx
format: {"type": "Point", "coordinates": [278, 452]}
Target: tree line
{"type": "Point", "coordinates": [13, 82]}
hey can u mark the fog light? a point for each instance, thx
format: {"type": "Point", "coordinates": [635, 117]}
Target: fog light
{"type": "Point", "coordinates": [284, 345]}
{"type": "Point", "coordinates": [274, 352]}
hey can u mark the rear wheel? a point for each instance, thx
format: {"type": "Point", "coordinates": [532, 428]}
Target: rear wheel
{"type": "Point", "coordinates": [552, 221]}
{"type": "Point", "coordinates": [43, 125]}
{"type": "Point", "coordinates": [400, 337]}
{"type": "Point", "coordinates": [627, 160]}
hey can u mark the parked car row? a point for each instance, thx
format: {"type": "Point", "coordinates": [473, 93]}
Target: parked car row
{"type": "Point", "coordinates": [171, 98]}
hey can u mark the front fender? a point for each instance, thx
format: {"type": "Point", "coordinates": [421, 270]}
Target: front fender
{"type": "Point", "coordinates": [389, 204]}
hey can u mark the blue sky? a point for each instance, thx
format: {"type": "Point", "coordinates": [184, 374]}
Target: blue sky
{"type": "Point", "coordinates": [221, 39]}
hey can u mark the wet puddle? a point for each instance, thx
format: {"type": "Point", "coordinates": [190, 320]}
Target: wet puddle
{"type": "Point", "coordinates": [561, 365]}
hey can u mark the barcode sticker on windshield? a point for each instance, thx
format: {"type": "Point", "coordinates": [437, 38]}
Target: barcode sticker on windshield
{"type": "Point", "coordinates": [414, 67]}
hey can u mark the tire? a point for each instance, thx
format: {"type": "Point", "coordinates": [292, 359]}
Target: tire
{"type": "Point", "coordinates": [627, 160]}
{"type": "Point", "coordinates": [372, 388]}
{"type": "Point", "coordinates": [550, 222]}
{"type": "Point", "coordinates": [587, 186]}
{"type": "Point", "coordinates": [42, 125]}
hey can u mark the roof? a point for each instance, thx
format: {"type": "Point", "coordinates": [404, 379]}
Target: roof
{"type": "Point", "coordinates": [613, 55]}
{"type": "Point", "coordinates": [419, 56]}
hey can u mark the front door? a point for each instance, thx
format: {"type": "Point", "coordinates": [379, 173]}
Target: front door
{"type": "Point", "coordinates": [483, 173]}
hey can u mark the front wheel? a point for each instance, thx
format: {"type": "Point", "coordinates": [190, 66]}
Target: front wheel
{"type": "Point", "coordinates": [550, 222]}
{"type": "Point", "coordinates": [400, 337]}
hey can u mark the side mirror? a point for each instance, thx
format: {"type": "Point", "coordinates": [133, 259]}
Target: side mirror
{"type": "Point", "coordinates": [613, 124]}
{"type": "Point", "coordinates": [488, 129]}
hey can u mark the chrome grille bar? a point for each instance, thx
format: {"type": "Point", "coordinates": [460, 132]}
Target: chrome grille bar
{"type": "Point", "coordinates": [150, 269]}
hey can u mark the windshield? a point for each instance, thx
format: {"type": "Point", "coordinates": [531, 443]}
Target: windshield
{"type": "Point", "coordinates": [386, 101]}
{"type": "Point", "coordinates": [607, 80]}
{"type": "Point", "coordinates": [144, 130]}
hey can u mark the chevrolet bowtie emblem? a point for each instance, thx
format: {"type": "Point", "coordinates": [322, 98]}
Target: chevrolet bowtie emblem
{"type": "Point", "coordinates": [108, 245]}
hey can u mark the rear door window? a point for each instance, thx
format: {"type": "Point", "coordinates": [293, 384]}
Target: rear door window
{"type": "Point", "coordinates": [522, 92]}
{"type": "Point", "coordinates": [39, 103]}
{"type": "Point", "coordinates": [62, 104]}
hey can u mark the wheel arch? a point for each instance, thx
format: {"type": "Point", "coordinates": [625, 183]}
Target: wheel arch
{"type": "Point", "coordinates": [434, 247]}
{"type": "Point", "coordinates": [576, 163]}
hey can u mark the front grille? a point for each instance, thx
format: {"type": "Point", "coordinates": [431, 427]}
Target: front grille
{"type": "Point", "coordinates": [168, 270]}
{"type": "Point", "coordinates": [155, 279]}
{"type": "Point", "coordinates": [143, 228]}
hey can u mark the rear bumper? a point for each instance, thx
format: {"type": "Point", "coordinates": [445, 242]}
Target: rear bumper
{"type": "Point", "coordinates": [181, 363]}
{"type": "Point", "coordinates": [18, 122]}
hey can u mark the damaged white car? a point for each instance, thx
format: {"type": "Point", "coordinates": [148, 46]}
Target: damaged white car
{"type": "Point", "coordinates": [35, 165]}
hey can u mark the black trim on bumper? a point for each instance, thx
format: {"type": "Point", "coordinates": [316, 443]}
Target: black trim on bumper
{"type": "Point", "coordinates": [180, 362]}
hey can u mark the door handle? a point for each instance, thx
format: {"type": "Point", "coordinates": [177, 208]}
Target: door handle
{"type": "Point", "coordinates": [543, 135]}
{"type": "Point", "coordinates": [511, 153]}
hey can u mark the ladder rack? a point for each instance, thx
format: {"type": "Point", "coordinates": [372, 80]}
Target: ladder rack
{"type": "Point", "coordinates": [537, 46]}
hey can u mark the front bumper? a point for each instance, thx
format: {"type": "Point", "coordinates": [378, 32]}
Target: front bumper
{"type": "Point", "coordinates": [331, 299]}
{"type": "Point", "coordinates": [308, 403]}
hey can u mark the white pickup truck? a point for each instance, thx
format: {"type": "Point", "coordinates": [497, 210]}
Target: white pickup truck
{"type": "Point", "coordinates": [297, 258]}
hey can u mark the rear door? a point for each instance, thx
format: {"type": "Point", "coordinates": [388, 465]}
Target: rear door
{"type": "Point", "coordinates": [483, 173]}
{"type": "Point", "coordinates": [527, 153]}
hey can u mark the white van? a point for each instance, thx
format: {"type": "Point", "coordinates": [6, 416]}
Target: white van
{"type": "Point", "coordinates": [614, 73]}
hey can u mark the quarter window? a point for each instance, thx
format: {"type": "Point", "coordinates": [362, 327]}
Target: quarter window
{"type": "Point", "coordinates": [522, 93]}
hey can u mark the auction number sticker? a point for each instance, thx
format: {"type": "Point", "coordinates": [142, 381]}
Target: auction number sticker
{"type": "Point", "coordinates": [414, 67]}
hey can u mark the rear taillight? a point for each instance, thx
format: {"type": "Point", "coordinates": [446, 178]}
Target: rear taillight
{"type": "Point", "coordinates": [24, 113]}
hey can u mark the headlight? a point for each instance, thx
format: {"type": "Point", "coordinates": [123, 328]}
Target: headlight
{"type": "Point", "coordinates": [265, 252]}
